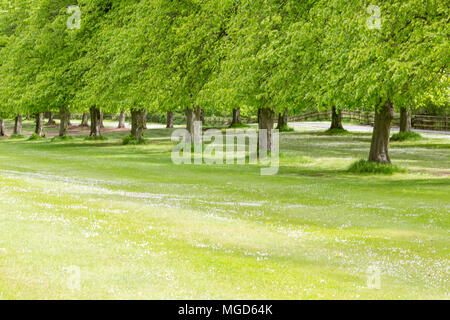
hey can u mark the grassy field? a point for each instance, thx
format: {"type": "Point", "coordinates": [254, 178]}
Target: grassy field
{"type": "Point", "coordinates": [139, 227]}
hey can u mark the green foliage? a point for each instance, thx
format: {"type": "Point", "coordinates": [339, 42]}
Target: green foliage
{"type": "Point", "coordinates": [406, 136]}
{"type": "Point", "coordinates": [239, 125]}
{"type": "Point", "coordinates": [17, 136]}
{"type": "Point", "coordinates": [336, 132]}
{"type": "Point", "coordinates": [132, 140]}
{"type": "Point", "coordinates": [92, 138]}
{"type": "Point", "coordinates": [222, 54]}
{"type": "Point", "coordinates": [62, 138]}
{"type": "Point", "coordinates": [286, 128]}
{"type": "Point", "coordinates": [368, 167]}
{"type": "Point", "coordinates": [35, 136]}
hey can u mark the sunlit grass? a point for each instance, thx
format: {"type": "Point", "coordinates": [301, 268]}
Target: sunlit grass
{"type": "Point", "coordinates": [139, 226]}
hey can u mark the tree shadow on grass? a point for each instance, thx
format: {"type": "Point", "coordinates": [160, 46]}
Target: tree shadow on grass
{"type": "Point", "coordinates": [422, 145]}
{"type": "Point", "coordinates": [67, 144]}
{"type": "Point", "coordinates": [324, 133]}
{"type": "Point", "coordinates": [310, 172]}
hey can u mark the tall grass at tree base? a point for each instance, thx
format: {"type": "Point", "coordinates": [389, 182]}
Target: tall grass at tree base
{"type": "Point", "coordinates": [369, 167]}
{"type": "Point", "coordinates": [406, 136]}
{"type": "Point", "coordinates": [132, 140]}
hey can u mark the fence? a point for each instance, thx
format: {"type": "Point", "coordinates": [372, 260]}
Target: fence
{"type": "Point", "coordinates": [418, 121]}
{"type": "Point", "coordinates": [437, 123]}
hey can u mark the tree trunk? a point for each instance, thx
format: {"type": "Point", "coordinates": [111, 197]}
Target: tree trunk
{"type": "Point", "coordinates": [18, 125]}
{"type": "Point", "coordinates": [236, 117]}
{"type": "Point", "coordinates": [64, 122]}
{"type": "Point", "coordinates": [169, 120]}
{"type": "Point", "coordinates": [266, 120]}
{"type": "Point", "coordinates": [95, 122]}
{"type": "Point", "coordinates": [137, 123]}
{"type": "Point", "coordinates": [85, 120]}
{"type": "Point", "coordinates": [202, 115]}
{"type": "Point", "coordinates": [144, 119]}
{"type": "Point", "coordinates": [379, 150]}
{"type": "Point", "coordinates": [2, 128]}
{"type": "Point", "coordinates": [282, 120]}
{"type": "Point", "coordinates": [405, 119]}
{"type": "Point", "coordinates": [51, 121]}
{"type": "Point", "coordinates": [122, 119]}
{"type": "Point", "coordinates": [39, 130]}
{"type": "Point", "coordinates": [101, 120]}
{"type": "Point", "coordinates": [192, 115]}
{"type": "Point", "coordinates": [336, 119]}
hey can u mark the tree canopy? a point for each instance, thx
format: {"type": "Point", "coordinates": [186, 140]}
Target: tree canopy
{"type": "Point", "coordinates": [219, 55]}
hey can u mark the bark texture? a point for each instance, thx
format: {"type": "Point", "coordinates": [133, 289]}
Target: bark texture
{"type": "Point", "coordinates": [379, 149]}
{"type": "Point", "coordinates": [202, 115]}
{"type": "Point", "coordinates": [137, 123]}
{"type": "Point", "coordinates": [169, 120]}
{"type": "Point", "coordinates": [51, 121]}
{"type": "Point", "coordinates": [101, 120]}
{"type": "Point", "coordinates": [236, 117]}
{"type": "Point", "coordinates": [405, 120]}
{"type": "Point", "coordinates": [144, 119]}
{"type": "Point", "coordinates": [282, 120]}
{"type": "Point", "coordinates": [336, 119]}
{"type": "Point", "coordinates": [122, 118]}
{"type": "Point", "coordinates": [2, 128]}
{"type": "Point", "coordinates": [18, 125]}
{"type": "Point", "coordinates": [64, 122]}
{"type": "Point", "coordinates": [95, 122]}
{"type": "Point", "coordinates": [85, 120]}
{"type": "Point", "coordinates": [266, 121]}
{"type": "Point", "coordinates": [39, 130]}
{"type": "Point", "coordinates": [192, 115]}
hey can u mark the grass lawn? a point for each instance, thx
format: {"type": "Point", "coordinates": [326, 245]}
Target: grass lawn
{"type": "Point", "coordinates": [141, 227]}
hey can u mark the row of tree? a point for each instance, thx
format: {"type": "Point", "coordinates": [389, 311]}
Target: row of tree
{"type": "Point", "coordinates": [268, 57]}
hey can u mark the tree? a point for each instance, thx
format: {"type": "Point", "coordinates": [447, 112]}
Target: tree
{"type": "Point", "coordinates": [49, 78]}
{"type": "Point", "coordinates": [122, 118]}
{"type": "Point", "coordinates": [51, 121]}
{"type": "Point", "coordinates": [405, 119]}
{"type": "Point", "coordinates": [14, 76]}
{"type": "Point", "coordinates": [39, 129]}
{"type": "Point", "coordinates": [336, 119]}
{"type": "Point", "coordinates": [18, 125]}
{"type": "Point", "coordinates": [258, 68]}
{"type": "Point", "coordinates": [236, 117]}
{"type": "Point", "coordinates": [85, 120]}
{"type": "Point", "coordinates": [391, 57]}
{"type": "Point", "coordinates": [117, 77]}
{"type": "Point", "coordinates": [169, 122]}
{"type": "Point", "coordinates": [95, 122]}
{"type": "Point", "coordinates": [197, 31]}
{"type": "Point", "coordinates": [282, 120]}
{"type": "Point", "coordinates": [2, 127]}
